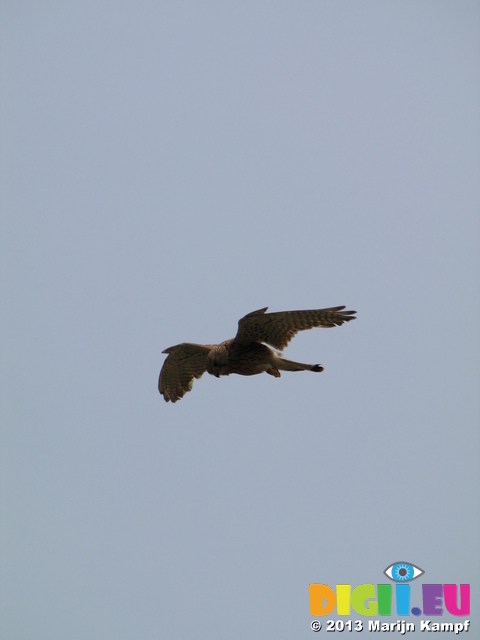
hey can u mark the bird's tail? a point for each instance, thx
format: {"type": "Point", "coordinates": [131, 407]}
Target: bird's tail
{"type": "Point", "coordinates": [283, 364]}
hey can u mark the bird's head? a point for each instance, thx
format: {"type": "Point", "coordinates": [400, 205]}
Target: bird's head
{"type": "Point", "coordinates": [217, 362]}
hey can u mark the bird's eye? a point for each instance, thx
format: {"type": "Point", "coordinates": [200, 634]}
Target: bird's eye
{"type": "Point", "coordinates": [403, 572]}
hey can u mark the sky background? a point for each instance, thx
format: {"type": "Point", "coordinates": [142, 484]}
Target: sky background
{"type": "Point", "coordinates": [168, 167]}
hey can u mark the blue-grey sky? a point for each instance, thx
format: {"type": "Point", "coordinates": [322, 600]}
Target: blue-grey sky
{"type": "Point", "coordinates": [168, 167]}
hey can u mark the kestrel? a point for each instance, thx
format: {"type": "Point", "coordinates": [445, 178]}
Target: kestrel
{"type": "Point", "coordinates": [246, 354]}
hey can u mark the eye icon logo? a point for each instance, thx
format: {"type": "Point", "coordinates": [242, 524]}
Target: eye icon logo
{"type": "Point", "coordinates": [403, 572]}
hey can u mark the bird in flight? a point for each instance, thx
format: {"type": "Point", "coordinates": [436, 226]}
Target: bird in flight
{"type": "Point", "coordinates": [247, 354]}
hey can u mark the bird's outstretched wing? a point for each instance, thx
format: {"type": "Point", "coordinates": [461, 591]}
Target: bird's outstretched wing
{"type": "Point", "coordinates": [185, 362]}
{"type": "Point", "coordinates": [277, 329]}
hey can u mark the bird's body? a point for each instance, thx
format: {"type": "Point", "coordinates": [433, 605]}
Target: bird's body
{"type": "Point", "coordinates": [249, 359]}
{"type": "Point", "coordinates": [246, 354]}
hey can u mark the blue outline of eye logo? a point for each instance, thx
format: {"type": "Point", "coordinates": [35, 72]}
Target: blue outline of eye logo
{"type": "Point", "coordinates": [403, 572]}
